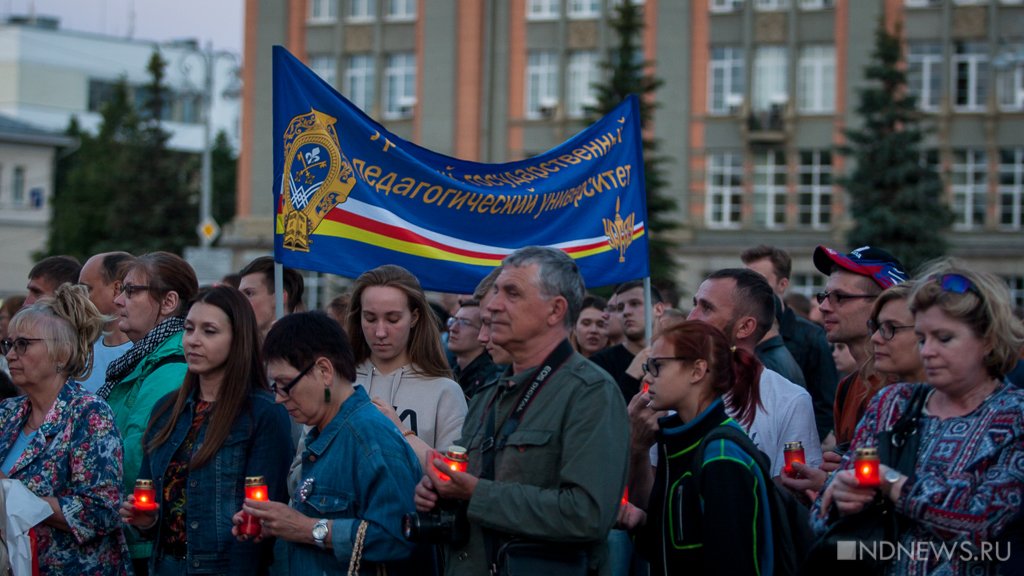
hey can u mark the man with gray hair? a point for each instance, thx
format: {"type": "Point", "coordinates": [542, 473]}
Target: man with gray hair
{"type": "Point", "coordinates": [547, 445]}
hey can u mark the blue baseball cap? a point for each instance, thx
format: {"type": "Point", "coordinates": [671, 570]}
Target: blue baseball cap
{"type": "Point", "coordinates": [875, 263]}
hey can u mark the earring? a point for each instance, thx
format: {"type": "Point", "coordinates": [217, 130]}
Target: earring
{"type": "Point", "coordinates": [60, 368]}
{"type": "Point", "coordinates": [327, 395]}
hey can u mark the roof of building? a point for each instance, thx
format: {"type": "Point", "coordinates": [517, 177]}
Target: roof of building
{"type": "Point", "coordinates": [14, 130]}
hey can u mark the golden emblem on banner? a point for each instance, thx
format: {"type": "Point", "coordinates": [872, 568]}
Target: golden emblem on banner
{"type": "Point", "coordinates": [316, 177]}
{"type": "Point", "coordinates": [619, 231]}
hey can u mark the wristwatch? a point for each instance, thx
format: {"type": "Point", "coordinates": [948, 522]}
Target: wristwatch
{"type": "Point", "coordinates": [320, 533]}
{"type": "Point", "coordinates": [891, 477]}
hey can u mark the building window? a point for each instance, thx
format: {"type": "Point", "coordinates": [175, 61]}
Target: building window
{"type": "Point", "coordinates": [584, 8]}
{"type": "Point", "coordinates": [542, 9]}
{"type": "Point", "coordinates": [400, 85]}
{"type": "Point", "coordinates": [361, 10]}
{"type": "Point", "coordinates": [583, 74]}
{"type": "Point", "coordinates": [1016, 286]}
{"type": "Point", "coordinates": [726, 71]}
{"type": "Point", "coordinates": [770, 5]}
{"type": "Point", "coordinates": [924, 73]}
{"type": "Point", "coordinates": [325, 67]}
{"type": "Point", "coordinates": [18, 186]}
{"type": "Point", "coordinates": [816, 79]}
{"type": "Point", "coordinates": [815, 190]}
{"type": "Point", "coordinates": [323, 11]}
{"type": "Point", "coordinates": [1010, 78]}
{"type": "Point", "coordinates": [1011, 188]}
{"type": "Point", "coordinates": [970, 182]}
{"type": "Point", "coordinates": [770, 189]}
{"type": "Point", "coordinates": [724, 190]}
{"type": "Point", "coordinates": [769, 78]}
{"type": "Point", "coordinates": [807, 284]}
{"type": "Point", "coordinates": [816, 4]}
{"type": "Point", "coordinates": [970, 75]}
{"type": "Point", "coordinates": [541, 83]}
{"type": "Point", "coordinates": [922, 3]}
{"type": "Point", "coordinates": [359, 80]}
{"type": "Point", "coordinates": [725, 6]}
{"type": "Point", "coordinates": [401, 10]}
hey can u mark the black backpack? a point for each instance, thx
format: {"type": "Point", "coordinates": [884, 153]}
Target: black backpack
{"type": "Point", "coordinates": [791, 528]}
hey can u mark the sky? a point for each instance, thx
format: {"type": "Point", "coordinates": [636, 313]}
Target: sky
{"type": "Point", "coordinates": [219, 21]}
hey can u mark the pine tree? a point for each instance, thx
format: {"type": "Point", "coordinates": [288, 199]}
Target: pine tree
{"type": "Point", "coordinates": [896, 199]}
{"type": "Point", "coordinates": [626, 75]}
{"type": "Point", "coordinates": [225, 179]}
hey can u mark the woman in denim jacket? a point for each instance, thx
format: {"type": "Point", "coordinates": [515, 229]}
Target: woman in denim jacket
{"type": "Point", "coordinates": [205, 439]}
{"type": "Point", "coordinates": [357, 472]}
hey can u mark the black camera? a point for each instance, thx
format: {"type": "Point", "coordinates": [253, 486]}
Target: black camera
{"type": "Point", "coordinates": [445, 524]}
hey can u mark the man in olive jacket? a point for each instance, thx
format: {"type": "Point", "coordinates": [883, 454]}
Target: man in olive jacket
{"type": "Point", "coordinates": [558, 475]}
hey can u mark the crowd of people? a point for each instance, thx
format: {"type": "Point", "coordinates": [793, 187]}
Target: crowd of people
{"type": "Point", "coordinates": [529, 427]}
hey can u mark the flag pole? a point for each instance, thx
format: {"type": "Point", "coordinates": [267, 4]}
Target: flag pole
{"type": "Point", "coordinates": [648, 311]}
{"type": "Point", "coordinates": [278, 290]}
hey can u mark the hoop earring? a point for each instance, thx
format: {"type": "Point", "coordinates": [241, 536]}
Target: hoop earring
{"type": "Point", "coordinates": [327, 395]}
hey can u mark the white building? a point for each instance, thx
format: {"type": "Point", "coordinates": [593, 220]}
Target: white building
{"type": "Point", "coordinates": [48, 75]}
{"type": "Point", "coordinates": [27, 159]}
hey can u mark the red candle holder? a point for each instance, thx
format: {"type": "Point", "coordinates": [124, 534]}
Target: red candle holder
{"type": "Point", "coordinates": [793, 452]}
{"type": "Point", "coordinates": [145, 495]}
{"type": "Point", "coordinates": [865, 465]}
{"type": "Point", "coordinates": [255, 489]}
{"type": "Point", "coordinates": [455, 459]}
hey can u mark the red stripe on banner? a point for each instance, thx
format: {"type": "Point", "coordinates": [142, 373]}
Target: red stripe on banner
{"type": "Point", "coordinates": [399, 233]}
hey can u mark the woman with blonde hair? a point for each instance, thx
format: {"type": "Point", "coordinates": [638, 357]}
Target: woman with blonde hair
{"type": "Point", "coordinates": [400, 361]}
{"type": "Point", "coordinates": [60, 440]}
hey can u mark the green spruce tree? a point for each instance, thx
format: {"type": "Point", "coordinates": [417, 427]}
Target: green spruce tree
{"type": "Point", "coordinates": [896, 199]}
{"type": "Point", "coordinates": [225, 179]}
{"type": "Point", "coordinates": [625, 70]}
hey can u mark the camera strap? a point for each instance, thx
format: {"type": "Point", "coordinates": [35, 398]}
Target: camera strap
{"type": "Point", "coordinates": [492, 443]}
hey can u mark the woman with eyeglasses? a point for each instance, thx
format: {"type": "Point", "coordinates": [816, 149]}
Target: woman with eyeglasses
{"type": "Point", "coordinates": [155, 291]}
{"type": "Point", "coordinates": [590, 335]}
{"type": "Point", "coordinates": [714, 521]}
{"type": "Point", "coordinates": [221, 427]}
{"type": "Point", "coordinates": [61, 441]}
{"type": "Point", "coordinates": [400, 361]}
{"type": "Point", "coordinates": [967, 484]}
{"type": "Point", "coordinates": [357, 474]}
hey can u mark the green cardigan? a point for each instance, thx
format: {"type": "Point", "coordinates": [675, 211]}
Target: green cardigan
{"type": "Point", "coordinates": [132, 400]}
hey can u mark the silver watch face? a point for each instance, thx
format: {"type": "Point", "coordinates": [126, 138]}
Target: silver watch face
{"type": "Point", "coordinates": [320, 531]}
{"type": "Point", "coordinates": [892, 476]}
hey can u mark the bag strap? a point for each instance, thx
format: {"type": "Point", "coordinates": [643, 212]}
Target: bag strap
{"type": "Point", "coordinates": [357, 549]}
{"type": "Point", "coordinates": [907, 424]}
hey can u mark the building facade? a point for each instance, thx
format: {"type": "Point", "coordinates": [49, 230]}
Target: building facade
{"type": "Point", "coordinates": [755, 98]}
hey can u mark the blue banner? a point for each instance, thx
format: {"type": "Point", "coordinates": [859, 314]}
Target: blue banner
{"type": "Point", "coordinates": [351, 196]}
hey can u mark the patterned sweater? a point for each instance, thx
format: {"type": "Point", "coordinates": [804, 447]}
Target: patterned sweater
{"type": "Point", "coordinates": [967, 486]}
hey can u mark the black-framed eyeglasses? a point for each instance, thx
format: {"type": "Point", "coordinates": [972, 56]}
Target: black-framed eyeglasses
{"type": "Point", "coordinates": [19, 345]}
{"type": "Point", "coordinates": [653, 365]}
{"type": "Point", "coordinates": [461, 322]}
{"type": "Point", "coordinates": [956, 284]}
{"type": "Point", "coordinates": [887, 329]}
{"type": "Point", "coordinates": [286, 389]}
{"type": "Point", "coordinates": [130, 290]}
{"type": "Point", "coordinates": [837, 298]}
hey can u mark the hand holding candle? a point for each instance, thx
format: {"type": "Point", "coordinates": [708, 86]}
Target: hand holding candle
{"type": "Point", "coordinates": [255, 489]}
{"type": "Point", "coordinates": [145, 495]}
{"type": "Point", "coordinates": [793, 452]}
{"type": "Point", "coordinates": [866, 467]}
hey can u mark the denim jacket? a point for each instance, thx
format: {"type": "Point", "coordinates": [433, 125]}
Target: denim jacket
{"type": "Point", "coordinates": [358, 468]}
{"type": "Point", "coordinates": [259, 444]}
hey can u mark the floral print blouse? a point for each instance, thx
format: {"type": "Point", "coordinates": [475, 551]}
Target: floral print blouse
{"type": "Point", "coordinates": [75, 457]}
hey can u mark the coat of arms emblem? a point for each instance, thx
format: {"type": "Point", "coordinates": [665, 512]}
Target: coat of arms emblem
{"type": "Point", "coordinates": [316, 176]}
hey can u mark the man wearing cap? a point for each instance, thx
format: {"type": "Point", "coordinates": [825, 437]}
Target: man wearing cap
{"type": "Point", "coordinates": [854, 281]}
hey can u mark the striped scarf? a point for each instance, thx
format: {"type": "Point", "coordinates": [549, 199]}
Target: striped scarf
{"type": "Point", "coordinates": [123, 366]}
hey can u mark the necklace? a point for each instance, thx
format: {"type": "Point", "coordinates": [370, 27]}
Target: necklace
{"type": "Point", "coordinates": [30, 427]}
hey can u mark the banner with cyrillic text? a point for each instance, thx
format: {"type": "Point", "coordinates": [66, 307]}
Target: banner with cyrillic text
{"type": "Point", "coordinates": [351, 196]}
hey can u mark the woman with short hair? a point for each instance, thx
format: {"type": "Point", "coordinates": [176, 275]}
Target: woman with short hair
{"type": "Point", "coordinates": [61, 441]}
{"type": "Point", "coordinates": [966, 485]}
{"type": "Point", "coordinates": [590, 334]}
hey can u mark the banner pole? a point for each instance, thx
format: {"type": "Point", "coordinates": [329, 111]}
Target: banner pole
{"type": "Point", "coordinates": [278, 290]}
{"type": "Point", "coordinates": [648, 311]}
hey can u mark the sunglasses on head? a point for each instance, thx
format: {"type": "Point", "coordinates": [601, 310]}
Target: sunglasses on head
{"type": "Point", "coordinates": [956, 284]}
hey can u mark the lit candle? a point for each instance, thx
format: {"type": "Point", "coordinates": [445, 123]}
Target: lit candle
{"type": "Point", "coordinates": [145, 495]}
{"type": "Point", "coordinates": [793, 452]}
{"type": "Point", "coordinates": [866, 467]}
{"type": "Point", "coordinates": [455, 459]}
{"type": "Point", "coordinates": [255, 489]}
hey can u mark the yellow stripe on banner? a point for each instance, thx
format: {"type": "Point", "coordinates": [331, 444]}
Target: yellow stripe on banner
{"type": "Point", "coordinates": [333, 228]}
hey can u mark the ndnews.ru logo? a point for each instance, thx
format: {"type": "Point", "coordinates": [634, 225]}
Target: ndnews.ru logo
{"type": "Point", "coordinates": [920, 551]}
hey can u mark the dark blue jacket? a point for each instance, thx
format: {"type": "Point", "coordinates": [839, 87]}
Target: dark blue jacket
{"type": "Point", "coordinates": [259, 444]}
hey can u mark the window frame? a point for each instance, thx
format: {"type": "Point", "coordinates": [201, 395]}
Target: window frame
{"type": "Point", "coordinates": [975, 165]}
{"type": "Point", "coordinates": [402, 73]}
{"type": "Point", "coordinates": [543, 75]}
{"type": "Point", "coordinates": [408, 15]}
{"type": "Point", "coordinates": [1014, 190]}
{"type": "Point", "coordinates": [819, 189]}
{"type": "Point", "coordinates": [726, 165]}
{"type": "Point", "coordinates": [361, 11]}
{"type": "Point", "coordinates": [977, 71]}
{"type": "Point", "coordinates": [363, 98]}
{"type": "Point", "coordinates": [816, 74]}
{"type": "Point", "coordinates": [547, 10]}
{"type": "Point", "coordinates": [768, 191]}
{"type": "Point", "coordinates": [732, 67]}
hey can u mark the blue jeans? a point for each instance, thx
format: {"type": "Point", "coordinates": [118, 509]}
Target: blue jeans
{"type": "Point", "coordinates": [622, 556]}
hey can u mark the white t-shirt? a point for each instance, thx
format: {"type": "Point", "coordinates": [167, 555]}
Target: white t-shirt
{"type": "Point", "coordinates": [785, 415]}
{"type": "Point", "coordinates": [102, 356]}
{"type": "Point", "coordinates": [434, 408]}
